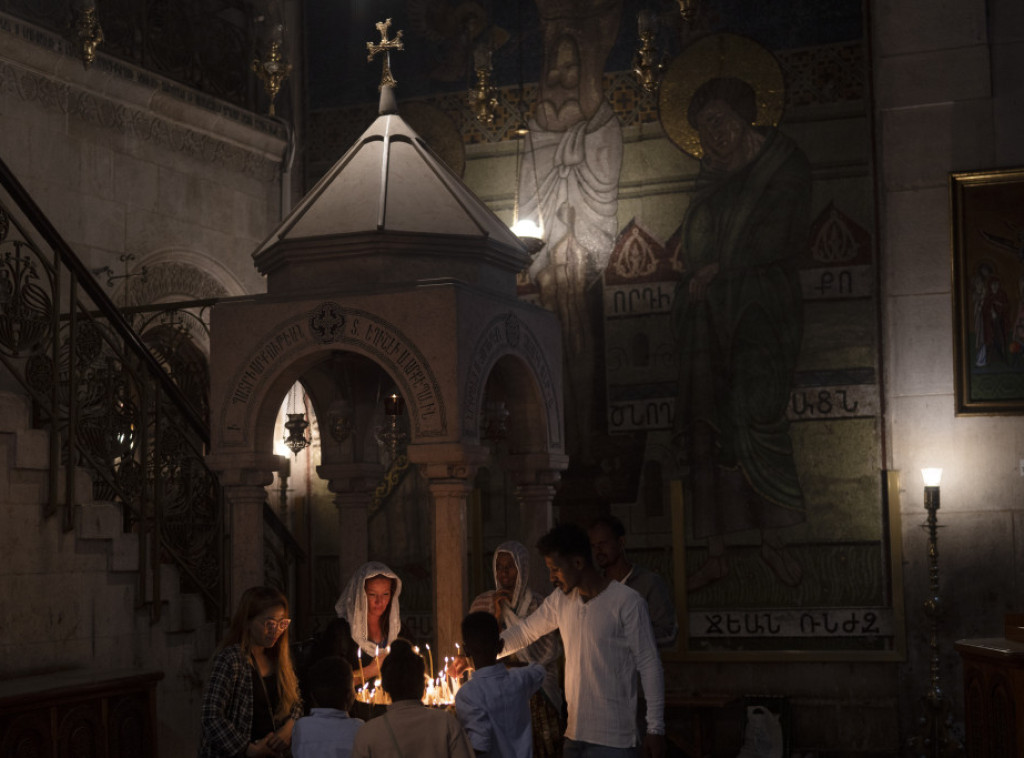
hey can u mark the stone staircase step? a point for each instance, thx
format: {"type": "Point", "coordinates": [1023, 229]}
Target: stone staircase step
{"type": "Point", "coordinates": [32, 449]}
{"type": "Point", "coordinates": [108, 557]}
{"type": "Point", "coordinates": [124, 552]}
{"type": "Point", "coordinates": [99, 521]}
{"type": "Point", "coordinates": [15, 412]}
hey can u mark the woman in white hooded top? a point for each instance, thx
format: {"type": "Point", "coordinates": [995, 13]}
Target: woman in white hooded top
{"type": "Point", "coordinates": [370, 605]}
{"type": "Point", "coordinates": [511, 601]}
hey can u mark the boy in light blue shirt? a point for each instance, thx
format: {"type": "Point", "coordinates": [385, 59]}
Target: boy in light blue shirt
{"type": "Point", "coordinates": [328, 731]}
{"type": "Point", "coordinates": [494, 705]}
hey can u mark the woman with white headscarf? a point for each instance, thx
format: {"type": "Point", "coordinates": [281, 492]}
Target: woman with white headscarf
{"type": "Point", "coordinates": [511, 601]}
{"type": "Point", "coordinates": [370, 605]}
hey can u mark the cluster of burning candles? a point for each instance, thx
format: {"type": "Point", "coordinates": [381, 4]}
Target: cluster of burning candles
{"type": "Point", "coordinates": [439, 691]}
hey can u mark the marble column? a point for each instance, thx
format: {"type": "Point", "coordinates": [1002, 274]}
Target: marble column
{"type": "Point", "coordinates": [244, 478]}
{"type": "Point", "coordinates": [352, 485]}
{"type": "Point", "coordinates": [535, 476]}
{"type": "Point", "coordinates": [449, 470]}
{"type": "Point", "coordinates": [535, 520]}
{"type": "Point", "coordinates": [451, 587]}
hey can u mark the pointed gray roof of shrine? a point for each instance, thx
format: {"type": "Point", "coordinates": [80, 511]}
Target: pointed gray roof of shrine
{"type": "Point", "coordinates": [390, 212]}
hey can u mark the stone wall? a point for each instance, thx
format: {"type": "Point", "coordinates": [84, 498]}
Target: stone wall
{"type": "Point", "coordinates": [949, 99]}
{"type": "Point", "coordinates": [124, 162]}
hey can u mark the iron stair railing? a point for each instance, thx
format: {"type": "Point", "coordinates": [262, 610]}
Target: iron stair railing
{"type": "Point", "coordinates": [108, 406]}
{"type": "Point", "coordinates": [111, 407]}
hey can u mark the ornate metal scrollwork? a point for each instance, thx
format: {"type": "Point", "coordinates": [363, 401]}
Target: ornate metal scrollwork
{"type": "Point", "coordinates": [109, 407]}
{"type": "Point", "coordinates": [26, 308]}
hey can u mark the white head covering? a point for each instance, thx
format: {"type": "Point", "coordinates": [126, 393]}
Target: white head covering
{"type": "Point", "coordinates": [351, 606]}
{"type": "Point", "coordinates": [521, 594]}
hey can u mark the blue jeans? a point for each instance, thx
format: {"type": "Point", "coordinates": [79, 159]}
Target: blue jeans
{"type": "Point", "coordinates": [577, 749]}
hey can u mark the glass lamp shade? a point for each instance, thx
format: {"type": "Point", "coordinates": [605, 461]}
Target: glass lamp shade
{"type": "Point", "coordinates": [932, 476]}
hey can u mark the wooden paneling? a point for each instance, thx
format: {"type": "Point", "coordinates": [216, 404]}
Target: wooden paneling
{"type": "Point", "coordinates": [79, 714]}
{"type": "Point", "coordinates": [993, 697]}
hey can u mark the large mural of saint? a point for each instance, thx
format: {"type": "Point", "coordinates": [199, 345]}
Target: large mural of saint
{"type": "Point", "coordinates": [738, 318]}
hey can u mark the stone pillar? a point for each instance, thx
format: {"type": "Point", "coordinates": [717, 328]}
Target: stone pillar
{"type": "Point", "coordinates": [536, 477]}
{"type": "Point", "coordinates": [352, 485]}
{"type": "Point", "coordinates": [451, 575]}
{"type": "Point", "coordinates": [449, 470]}
{"type": "Point", "coordinates": [535, 520]}
{"type": "Point", "coordinates": [244, 478]}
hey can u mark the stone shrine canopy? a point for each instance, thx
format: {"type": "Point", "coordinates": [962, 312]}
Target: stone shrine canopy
{"type": "Point", "coordinates": [389, 274]}
{"type": "Point", "coordinates": [390, 212]}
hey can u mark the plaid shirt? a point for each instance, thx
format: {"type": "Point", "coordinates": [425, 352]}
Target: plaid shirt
{"type": "Point", "coordinates": [227, 705]}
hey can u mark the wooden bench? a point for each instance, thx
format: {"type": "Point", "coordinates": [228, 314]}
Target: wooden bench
{"type": "Point", "coordinates": [108, 714]}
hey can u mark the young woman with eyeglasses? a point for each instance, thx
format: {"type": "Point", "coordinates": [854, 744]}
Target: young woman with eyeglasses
{"type": "Point", "coordinates": [251, 700]}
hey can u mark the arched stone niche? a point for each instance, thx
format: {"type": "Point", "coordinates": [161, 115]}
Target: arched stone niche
{"type": "Point", "coordinates": [303, 338]}
{"type": "Point", "coordinates": [526, 379]}
{"type": "Point", "coordinates": [445, 347]}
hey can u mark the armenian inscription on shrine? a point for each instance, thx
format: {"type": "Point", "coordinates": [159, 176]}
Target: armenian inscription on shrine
{"type": "Point", "coordinates": [266, 356]}
{"type": "Point", "coordinates": [331, 325]}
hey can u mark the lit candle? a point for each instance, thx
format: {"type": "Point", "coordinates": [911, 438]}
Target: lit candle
{"type": "Point", "coordinates": [431, 656]}
{"type": "Point", "coordinates": [362, 676]}
{"type": "Point", "coordinates": [376, 658]}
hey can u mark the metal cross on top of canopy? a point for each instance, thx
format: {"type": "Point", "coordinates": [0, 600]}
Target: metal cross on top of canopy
{"type": "Point", "coordinates": [385, 46]}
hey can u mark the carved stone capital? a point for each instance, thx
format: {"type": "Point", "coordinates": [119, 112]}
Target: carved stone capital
{"type": "Point", "coordinates": [345, 478]}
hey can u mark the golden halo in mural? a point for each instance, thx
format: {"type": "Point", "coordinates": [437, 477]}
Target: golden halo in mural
{"type": "Point", "coordinates": [718, 55]}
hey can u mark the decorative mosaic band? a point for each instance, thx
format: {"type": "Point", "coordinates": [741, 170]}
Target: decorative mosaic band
{"type": "Point", "coordinates": [136, 122]}
{"type": "Point", "coordinates": [825, 75]}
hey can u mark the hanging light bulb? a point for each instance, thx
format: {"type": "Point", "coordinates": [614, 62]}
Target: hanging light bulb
{"type": "Point", "coordinates": [527, 230]}
{"type": "Point", "coordinates": [297, 428]}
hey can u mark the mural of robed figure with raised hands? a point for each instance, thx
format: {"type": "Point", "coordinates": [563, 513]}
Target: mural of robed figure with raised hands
{"type": "Point", "coordinates": [737, 311]}
{"type": "Point", "coordinates": [568, 186]}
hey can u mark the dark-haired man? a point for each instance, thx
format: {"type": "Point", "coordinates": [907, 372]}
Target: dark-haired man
{"type": "Point", "coordinates": [607, 635]}
{"type": "Point", "coordinates": [608, 542]}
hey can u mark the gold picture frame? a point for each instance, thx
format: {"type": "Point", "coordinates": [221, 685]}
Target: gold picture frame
{"type": "Point", "coordinates": [987, 212]}
{"type": "Point", "coordinates": [823, 633]}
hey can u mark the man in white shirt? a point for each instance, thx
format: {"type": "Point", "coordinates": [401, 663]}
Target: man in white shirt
{"type": "Point", "coordinates": [608, 638]}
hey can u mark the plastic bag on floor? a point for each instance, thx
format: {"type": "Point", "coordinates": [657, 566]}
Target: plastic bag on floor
{"type": "Point", "coordinates": [763, 735]}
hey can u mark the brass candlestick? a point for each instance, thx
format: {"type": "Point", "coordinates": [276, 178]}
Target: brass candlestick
{"type": "Point", "coordinates": [647, 61]}
{"type": "Point", "coordinates": [87, 34]}
{"type": "Point", "coordinates": [274, 69]}
{"type": "Point", "coordinates": [934, 738]}
{"type": "Point", "coordinates": [483, 99]}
